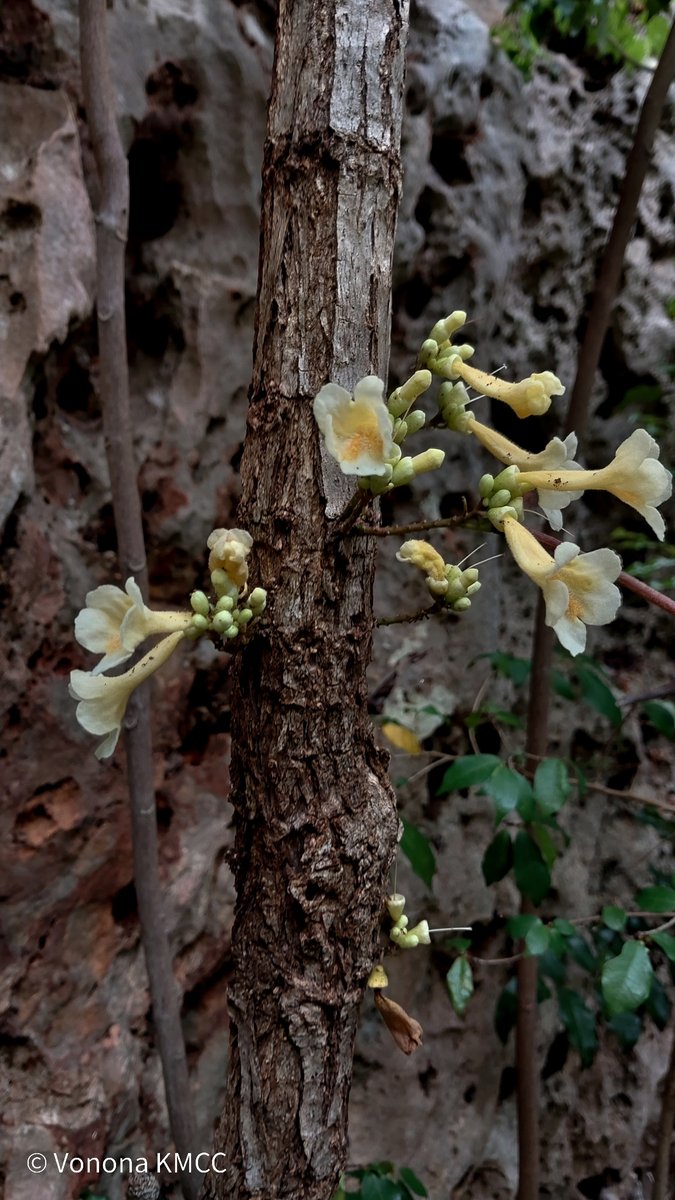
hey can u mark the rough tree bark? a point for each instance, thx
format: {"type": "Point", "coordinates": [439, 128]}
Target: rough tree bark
{"type": "Point", "coordinates": [315, 816]}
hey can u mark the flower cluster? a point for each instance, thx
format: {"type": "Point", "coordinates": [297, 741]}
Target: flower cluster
{"type": "Point", "coordinates": [116, 622]}
{"type": "Point", "coordinates": [445, 581]}
{"type": "Point", "coordinates": [364, 435]}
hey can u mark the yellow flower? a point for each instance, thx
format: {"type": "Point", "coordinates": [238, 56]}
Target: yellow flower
{"type": "Point", "coordinates": [103, 698]}
{"type": "Point", "coordinates": [115, 622]}
{"type": "Point", "coordinates": [229, 550]}
{"type": "Point", "coordinates": [578, 588]}
{"type": "Point", "coordinates": [555, 455]}
{"type": "Point", "coordinates": [422, 555]}
{"type": "Point", "coordinates": [529, 398]}
{"type": "Point", "coordinates": [635, 476]}
{"type": "Point", "coordinates": [357, 431]}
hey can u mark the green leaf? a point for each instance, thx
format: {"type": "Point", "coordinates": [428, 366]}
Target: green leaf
{"type": "Point", "coordinates": [533, 878]}
{"type": "Point", "coordinates": [545, 843]}
{"type": "Point", "coordinates": [551, 785]}
{"type": "Point", "coordinates": [658, 1004]}
{"type": "Point", "coordinates": [467, 771]}
{"type": "Point", "coordinates": [662, 717]}
{"type": "Point", "coordinates": [627, 979]}
{"type": "Point", "coordinates": [562, 686]}
{"type": "Point", "coordinates": [579, 1023]}
{"type": "Point", "coordinates": [596, 693]}
{"type": "Point", "coordinates": [537, 939]}
{"type": "Point", "coordinates": [665, 942]}
{"type": "Point", "coordinates": [460, 984]}
{"type": "Point", "coordinates": [376, 1187]}
{"type": "Point", "coordinates": [627, 1026]}
{"type": "Point", "coordinates": [581, 953]}
{"type": "Point", "coordinates": [659, 899]}
{"type": "Point", "coordinates": [409, 1177]}
{"type": "Point", "coordinates": [515, 669]}
{"type": "Point", "coordinates": [550, 964]}
{"type": "Point", "coordinates": [508, 789]}
{"type": "Point", "coordinates": [520, 925]}
{"type": "Point", "coordinates": [506, 1010]}
{"type": "Point", "coordinates": [614, 918]}
{"type": "Point", "coordinates": [498, 857]}
{"type": "Point", "coordinates": [419, 853]}
{"type": "Point", "coordinates": [564, 927]}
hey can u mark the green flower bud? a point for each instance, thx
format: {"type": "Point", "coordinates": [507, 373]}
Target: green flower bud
{"type": "Point", "coordinates": [200, 603]}
{"type": "Point", "coordinates": [232, 632]}
{"type": "Point", "coordinates": [242, 616]}
{"type": "Point", "coordinates": [456, 591]}
{"type": "Point", "coordinates": [395, 905]}
{"type": "Point", "coordinates": [400, 431]}
{"type": "Point", "coordinates": [225, 604]}
{"type": "Point", "coordinates": [508, 478]}
{"type": "Point", "coordinates": [428, 460]}
{"type": "Point", "coordinates": [200, 623]}
{"type": "Point", "coordinates": [408, 941]}
{"type": "Point", "coordinates": [473, 588]}
{"type": "Point", "coordinates": [221, 621]}
{"type": "Point", "coordinates": [498, 499]}
{"type": "Point", "coordinates": [469, 576]}
{"type": "Point", "coordinates": [415, 420]}
{"type": "Point", "coordinates": [485, 486]}
{"type": "Point", "coordinates": [428, 352]}
{"type": "Point", "coordinates": [445, 329]}
{"type": "Point", "coordinates": [403, 472]}
{"type": "Point", "coordinates": [453, 573]}
{"type": "Point", "coordinates": [462, 604]}
{"type": "Point", "coordinates": [258, 600]}
{"type": "Point", "coordinates": [193, 633]}
{"type": "Point", "coordinates": [397, 403]}
{"type": "Point", "coordinates": [421, 931]}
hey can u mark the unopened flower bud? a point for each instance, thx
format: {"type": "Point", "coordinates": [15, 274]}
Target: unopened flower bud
{"type": "Point", "coordinates": [225, 604]}
{"type": "Point", "coordinates": [200, 604]}
{"type": "Point", "coordinates": [415, 420]}
{"type": "Point", "coordinates": [403, 472]}
{"type": "Point", "coordinates": [242, 616]}
{"type": "Point", "coordinates": [508, 478]}
{"type": "Point", "coordinates": [257, 600]}
{"type": "Point", "coordinates": [428, 352]}
{"type": "Point", "coordinates": [485, 486]}
{"type": "Point", "coordinates": [470, 575]}
{"type": "Point", "coordinates": [473, 588]}
{"type": "Point", "coordinates": [396, 905]}
{"type": "Point", "coordinates": [428, 460]}
{"type": "Point", "coordinates": [498, 499]}
{"type": "Point", "coordinates": [400, 431]}
{"type": "Point", "coordinates": [223, 585]}
{"type": "Point", "coordinates": [232, 632]}
{"type": "Point", "coordinates": [421, 931]}
{"type": "Point", "coordinates": [222, 621]}
{"type": "Point", "coordinates": [444, 329]}
{"type": "Point", "coordinates": [378, 977]}
{"type": "Point", "coordinates": [200, 623]}
{"type": "Point", "coordinates": [462, 604]}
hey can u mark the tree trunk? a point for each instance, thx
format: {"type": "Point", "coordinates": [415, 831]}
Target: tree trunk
{"type": "Point", "coordinates": [315, 816]}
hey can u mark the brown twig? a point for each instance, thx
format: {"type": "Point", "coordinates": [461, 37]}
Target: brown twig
{"type": "Point", "coordinates": [420, 614]}
{"type": "Point", "coordinates": [414, 526]}
{"type": "Point", "coordinates": [664, 1142]}
{"type": "Point", "coordinates": [111, 231]}
{"type": "Point", "coordinates": [609, 276]}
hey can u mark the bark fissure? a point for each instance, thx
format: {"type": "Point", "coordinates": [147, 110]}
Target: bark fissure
{"type": "Point", "coordinates": [315, 816]}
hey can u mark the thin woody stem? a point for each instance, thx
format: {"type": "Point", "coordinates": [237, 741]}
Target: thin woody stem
{"type": "Point", "coordinates": [111, 232]}
{"type": "Point", "coordinates": [420, 614]}
{"type": "Point", "coordinates": [416, 526]}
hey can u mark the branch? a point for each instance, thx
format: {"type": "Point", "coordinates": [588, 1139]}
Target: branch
{"type": "Point", "coordinates": [609, 276]}
{"type": "Point", "coordinates": [420, 614]}
{"type": "Point", "coordinates": [415, 526]}
{"type": "Point", "coordinates": [111, 231]}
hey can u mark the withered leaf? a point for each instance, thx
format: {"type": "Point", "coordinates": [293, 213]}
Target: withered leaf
{"type": "Point", "coordinates": [405, 1030]}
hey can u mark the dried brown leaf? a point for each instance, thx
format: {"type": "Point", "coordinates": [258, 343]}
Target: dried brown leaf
{"type": "Point", "coordinates": [405, 1030]}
